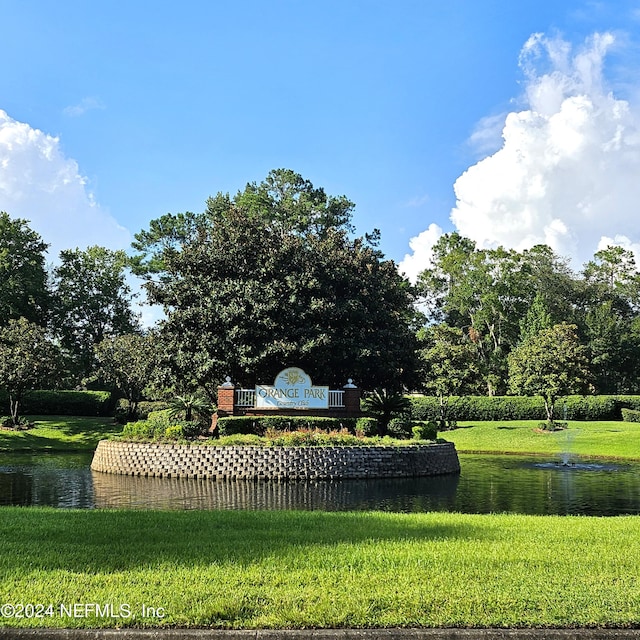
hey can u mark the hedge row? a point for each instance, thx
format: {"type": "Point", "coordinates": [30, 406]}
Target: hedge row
{"type": "Point", "coordinates": [62, 403]}
{"type": "Point", "coordinates": [365, 426]}
{"type": "Point", "coordinates": [524, 408]}
{"type": "Point", "coordinates": [258, 425]}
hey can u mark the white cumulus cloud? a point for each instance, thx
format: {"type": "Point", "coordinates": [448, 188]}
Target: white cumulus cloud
{"type": "Point", "coordinates": [422, 247]}
{"type": "Point", "coordinates": [567, 173]}
{"type": "Point", "coordinates": [39, 183]}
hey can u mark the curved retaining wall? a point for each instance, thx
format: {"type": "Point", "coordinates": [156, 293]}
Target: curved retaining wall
{"type": "Point", "coordinates": [266, 463]}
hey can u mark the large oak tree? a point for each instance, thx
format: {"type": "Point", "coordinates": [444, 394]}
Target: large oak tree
{"type": "Point", "coordinates": [273, 278]}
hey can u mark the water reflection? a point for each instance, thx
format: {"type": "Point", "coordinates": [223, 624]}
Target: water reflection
{"type": "Point", "coordinates": [401, 494]}
{"type": "Point", "coordinates": [57, 480]}
{"type": "Point", "coordinates": [487, 484]}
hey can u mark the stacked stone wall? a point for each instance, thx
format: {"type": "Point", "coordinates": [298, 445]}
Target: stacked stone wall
{"type": "Point", "coordinates": [279, 463]}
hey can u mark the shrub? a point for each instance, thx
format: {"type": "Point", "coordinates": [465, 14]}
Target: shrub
{"type": "Point", "coordinates": [191, 428]}
{"type": "Point", "coordinates": [160, 425]}
{"type": "Point", "coordinates": [188, 406]}
{"type": "Point", "coordinates": [366, 427]}
{"type": "Point", "coordinates": [234, 425]}
{"type": "Point", "coordinates": [399, 428]}
{"type": "Point", "coordinates": [258, 425]}
{"type": "Point", "coordinates": [142, 412]}
{"type": "Point", "coordinates": [239, 439]}
{"type": "Point", "coordinates": [174, 432]}
{"type": "Point", "coordinates": [63, 403]}
{"type": "Point", "coordinates": [312, 438]}
{"type": "Point", "coordinates": [554, 425]}
{"type": "Point", "coordinates": [630, 415]}
{"type": "Point", "coordinates": [425, 431]}
{"type": "Point", "coordinates": [140, 430]}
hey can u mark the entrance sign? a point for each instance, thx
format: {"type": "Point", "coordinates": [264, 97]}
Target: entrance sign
{"type": "Point", "coordinates": [292, 389]}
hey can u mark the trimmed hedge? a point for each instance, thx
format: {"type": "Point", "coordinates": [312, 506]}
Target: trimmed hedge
{"type": "Point", "coordinates": [62, 403]}
{"type": "Point", "coordinates": [630, 415]}
{"type": "Point", "coordinates": [258, 425]}
{"type": "Point", "coordinates": [523, 408]}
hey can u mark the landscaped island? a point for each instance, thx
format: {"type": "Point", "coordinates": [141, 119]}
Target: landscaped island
{"type": "Point", "coordinates": [269, 463]}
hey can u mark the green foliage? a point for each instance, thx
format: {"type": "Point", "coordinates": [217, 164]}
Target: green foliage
{"type": "Point", "coordinates": [536, 319]}
{"type": "Point", "coordinates": [366, 426]}
{"type": "Point", "coordinates": [399, 428]}
{"type": "Point", "coordinates": [187, 406]}
{"type": "Point", "coordinates": [450, 365]}
{"type": "Point", "coordinates": [184, 430]}
{"type": "Point", "coordinates": [613, 275]}
{"type": "Point", "coordinates": [385, 404]}
{"type": "Point", "coordinates": [425, 431]}
{"type": "Point", "coordinates": [232, 425]}
{"type": "Point", "coordinates": [174, 432]}
{"type": "Point", "coordinates": [311, 438]}
{"type": "Point", "coordinates": [91, 302]}
{"type": "Point", "coordinates": [628, 402]}
{"type": "Point", "coordinates": [123, 412]}
{"type": "Point", "coordinates": [290, 204]}
{"type": "Point", "coordinates": [258, 425]}
{"type": "Point", "coordinates": [68, 403]}
{"type": "Point", "coordinates": [291, 285]}
{"type": "Point", "coordinates": [239, 439]}
{"type": "Point", "coordinates": [127, 362]}
{"type": "Point", "coordinates": [552, 425]}
{"type": "Point", "coordinates": [23, 277]}
{"type": "Point", "coordinates": [486, 292]}
{"type": "Point", "coordinates": [630, 415]}
{"type": "Point", "coordinates": [523, 407]}
{"type": "Point", "coordinates": [28, 359]}
{"type": "Point", "coordinates": [550, 364]}
{"type": "Point", "coordinates": [159, 424]}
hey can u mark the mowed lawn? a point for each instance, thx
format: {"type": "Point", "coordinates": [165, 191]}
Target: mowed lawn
{"type": "Point", "coordinates": [297, 569]}
{"type": "Point", "coordinates": [59, 433]}
{"type": "Point", "coordinates": [594, 439]}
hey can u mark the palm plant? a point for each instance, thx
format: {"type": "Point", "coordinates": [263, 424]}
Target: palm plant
{"type": "Point", "coordinates": [385, 404]}
{"type": "Point", "coordinates": [184, 407]}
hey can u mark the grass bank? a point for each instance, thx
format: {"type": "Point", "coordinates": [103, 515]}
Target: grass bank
{"type": "Point", "coordinates": [59, 433]}
{"type": "Point", "coordinates": [314, 569]}
{"type": "Point", "coordinates": [594, 439]}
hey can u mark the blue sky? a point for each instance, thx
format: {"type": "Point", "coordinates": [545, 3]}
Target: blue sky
{"type": "Point", "coordinates": [116, 113]}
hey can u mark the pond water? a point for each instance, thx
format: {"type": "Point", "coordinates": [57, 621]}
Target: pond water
{"type": "Point", "coordinates": [486, 484]}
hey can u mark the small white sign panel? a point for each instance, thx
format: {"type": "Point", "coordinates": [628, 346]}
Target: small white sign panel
{"type": "Point", "coordinates": [292, 390]}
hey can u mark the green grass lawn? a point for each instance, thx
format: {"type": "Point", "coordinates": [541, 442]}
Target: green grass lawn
{"type": "Point", "coordinates": [596, 439]}
{"type": "Point", "coordinates": [296, 569]}
{"type": "Point", "coordinates": [59, 433]}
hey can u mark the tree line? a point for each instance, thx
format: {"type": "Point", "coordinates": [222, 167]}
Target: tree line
{"type": "Point", "coordinates": [276, 276]}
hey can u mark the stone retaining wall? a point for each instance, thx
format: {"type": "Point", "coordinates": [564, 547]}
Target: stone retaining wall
{"type": "Point", "coordinates": [266, 463]}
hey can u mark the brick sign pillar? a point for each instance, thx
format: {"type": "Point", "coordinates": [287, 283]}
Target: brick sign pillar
{"type": "Point", "coordinates": [351, 399]}
{"type": "Point", "coordinates": [226, 398]}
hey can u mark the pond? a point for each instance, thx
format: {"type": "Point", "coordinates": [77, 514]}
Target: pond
{"type": "Point", "coordinates": [487, 484]}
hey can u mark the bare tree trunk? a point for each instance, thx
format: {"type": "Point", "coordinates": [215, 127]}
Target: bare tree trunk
{"type": "Point", "coordinates": [14, 403]}
{"type": "Point", "coordinates": [549, 406]}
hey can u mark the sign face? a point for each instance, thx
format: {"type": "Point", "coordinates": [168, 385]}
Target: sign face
{"type": "Point", "coordinates": [292, 389]}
